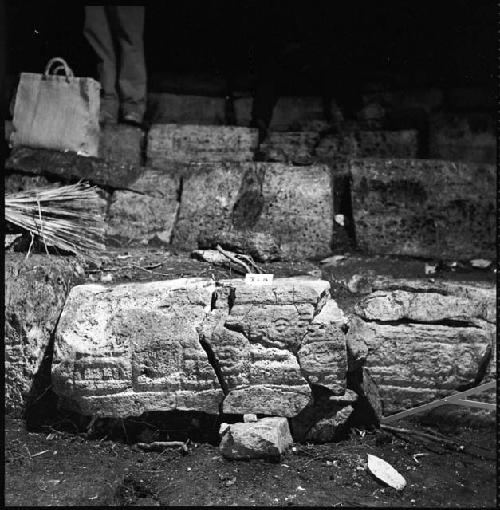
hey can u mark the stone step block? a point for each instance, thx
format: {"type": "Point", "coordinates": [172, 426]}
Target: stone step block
{"type": "Point", "coordinates": [425, 99]}
{"type": "Point", "coordinates": [423, 340]}
{"type": "Point", "coordinates": [208, 197]}
{"type": "Point", "coordinates": [122, 144]}
{"type": "Point", "coordinates": [289, 147]}
{"type": "Point", "coordinates": [35, 293]}
{"type": "Point", "coordinates": [467, 137]}
{"type": "Point", "coordinates": [297, 208]}
{"type": "Point", "coordinates": [67, 167]}
{"type": "Point", "coordinates": [368, 144]}
{"type": "Point", "coordinates": [293, 204]}
{"type": "Point", "coordinates": [175, 142]}
{"type": "Point", "coordinates": [165, 108]}
{"type": "Point", "coordinates": [292, 113]}
{"type": "Point", "coordinates": [14, 182]}
{"type": "Point", "coordinates": [148, 211]}
{"type": "Point", "coordinates": [424, 208]}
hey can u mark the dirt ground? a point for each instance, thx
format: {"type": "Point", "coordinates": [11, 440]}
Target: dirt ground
{"type": "Point", "coordinates": [53, 468]}
{"type": "Point", "coordinates": [56, 464]}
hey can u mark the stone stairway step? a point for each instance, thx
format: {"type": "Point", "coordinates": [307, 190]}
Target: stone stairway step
{"type": "Point", "coordinates": [368, 144]}
{"type": "Point", "coordinates": [293, 204]}
{"type": "Point", "coordinates": [424, 208]}
{"type": "Point", "coordinates": [467, 137]}
{"type": "Point", "coordinates": [290, 112]}
{"type": "Point", "coordinates": [175, 142]}
{"type": "Point", "coordinates": [289, 146]}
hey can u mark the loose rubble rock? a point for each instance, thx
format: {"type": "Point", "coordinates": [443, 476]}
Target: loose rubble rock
{"type": "Point", "coordinates": [267, 438]}
{"type": "Point", "coordinates": [35, 293]}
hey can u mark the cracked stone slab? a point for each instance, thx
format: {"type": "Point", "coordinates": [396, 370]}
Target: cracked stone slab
{"type": "Point", "coordinates": [122, 350]}
{"type": "Point", "coordinates": [271, 342]}
{"type": "Point", "coordinates": [423, 340]}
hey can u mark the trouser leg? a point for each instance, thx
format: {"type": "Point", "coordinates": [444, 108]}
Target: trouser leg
{"type": "Point", "coordinates": [97, 31]}
{"type": "Point", "coordinates": [129, 20]}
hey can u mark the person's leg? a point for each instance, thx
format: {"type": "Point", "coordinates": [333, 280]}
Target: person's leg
{"type": "Point", "coordinates": [132, 74]}
{"type": "Point", "coordinates": [98, 33]}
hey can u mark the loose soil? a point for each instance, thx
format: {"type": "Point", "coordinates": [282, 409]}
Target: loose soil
{"type": "Point", "coordinates": [55, 463]}
{"type": "Point", "coordinates": [51, 468]}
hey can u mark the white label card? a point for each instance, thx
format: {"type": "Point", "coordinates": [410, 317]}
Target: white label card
{"type": "Point", "coordinates": [259, 279]}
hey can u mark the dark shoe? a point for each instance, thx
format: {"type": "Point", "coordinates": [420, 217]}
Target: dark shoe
{"type": "Point", "coordinates": [132, 118]}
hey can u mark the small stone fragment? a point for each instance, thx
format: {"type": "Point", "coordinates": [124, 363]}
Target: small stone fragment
{"type": "Point", "coordinates": [268, 439]}
{"type": "Point", "coordinates": [385, 472]}
{"type": "Point", "coordinates": [250, 418]}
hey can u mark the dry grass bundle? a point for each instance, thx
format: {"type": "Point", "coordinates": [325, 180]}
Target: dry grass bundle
{"type": "Point", "coordinates": [65, 217]}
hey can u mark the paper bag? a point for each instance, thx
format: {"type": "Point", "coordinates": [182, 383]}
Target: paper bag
{"type": "Point", "coordinates": [58, 112]}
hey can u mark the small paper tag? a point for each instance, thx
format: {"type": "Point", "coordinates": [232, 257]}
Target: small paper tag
{"type": "Point", "coordinates": [259, 279]}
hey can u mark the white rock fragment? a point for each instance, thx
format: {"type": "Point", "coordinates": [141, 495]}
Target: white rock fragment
{"type": "Point", "coordinates": [385, 472]}
{"type": "Point", "coordinates": [250, 418]}
{"type": "Point", "coordinates": [480, 263]}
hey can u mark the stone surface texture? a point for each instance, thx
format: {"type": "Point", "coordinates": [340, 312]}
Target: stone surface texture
{"type": "Point", "coordinates": [186, 344]}
{"type": "Point", "coordinates": [297, 209]}
{"type": "Point", "coordinates": [369, 144]}
{"type": "Point", "coordinates": [463, 137]}
{"type": "Point", "coordinates": [289, 147]}
{"type": "Point", "coordinates": [15, 182]}
{"type": "Point", "coordinates": [127, 349]}
{"type": "Point", "coordinates": [267, 438]}
{"type": "Point", "coordinates": [165, 108]}
{"type": "Point", "coordinates": [67, 167]}
{"type": "Point", "coordinates": [259, 345]}
{"type": "Point", "coordinates": [35, 293]}
{"type": "Point", "coordinates": [147, 211]}
{"type": "Point", "coordinates": [207, 202]}
{"type": "Point", "coordinates": [422, 340]}
{"type": "Point", "coordinates": [122, 144]}
{"type": "Point", "coordinates": [177, 142]}
{"type": "Point", "coordinates": [292, 204]}
{"type": "Point", "coordinates": [425, 208]}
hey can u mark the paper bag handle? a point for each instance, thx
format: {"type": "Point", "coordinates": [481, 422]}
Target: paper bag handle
{"type": "Point", "coordinates": [63, 66]}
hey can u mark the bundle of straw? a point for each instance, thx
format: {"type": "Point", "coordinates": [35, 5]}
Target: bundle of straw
{"type": "Point", "coordinates": [65, 217]}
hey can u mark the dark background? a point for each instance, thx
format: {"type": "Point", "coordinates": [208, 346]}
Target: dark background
{"type": "Point", "coordinates": [401, 43]}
